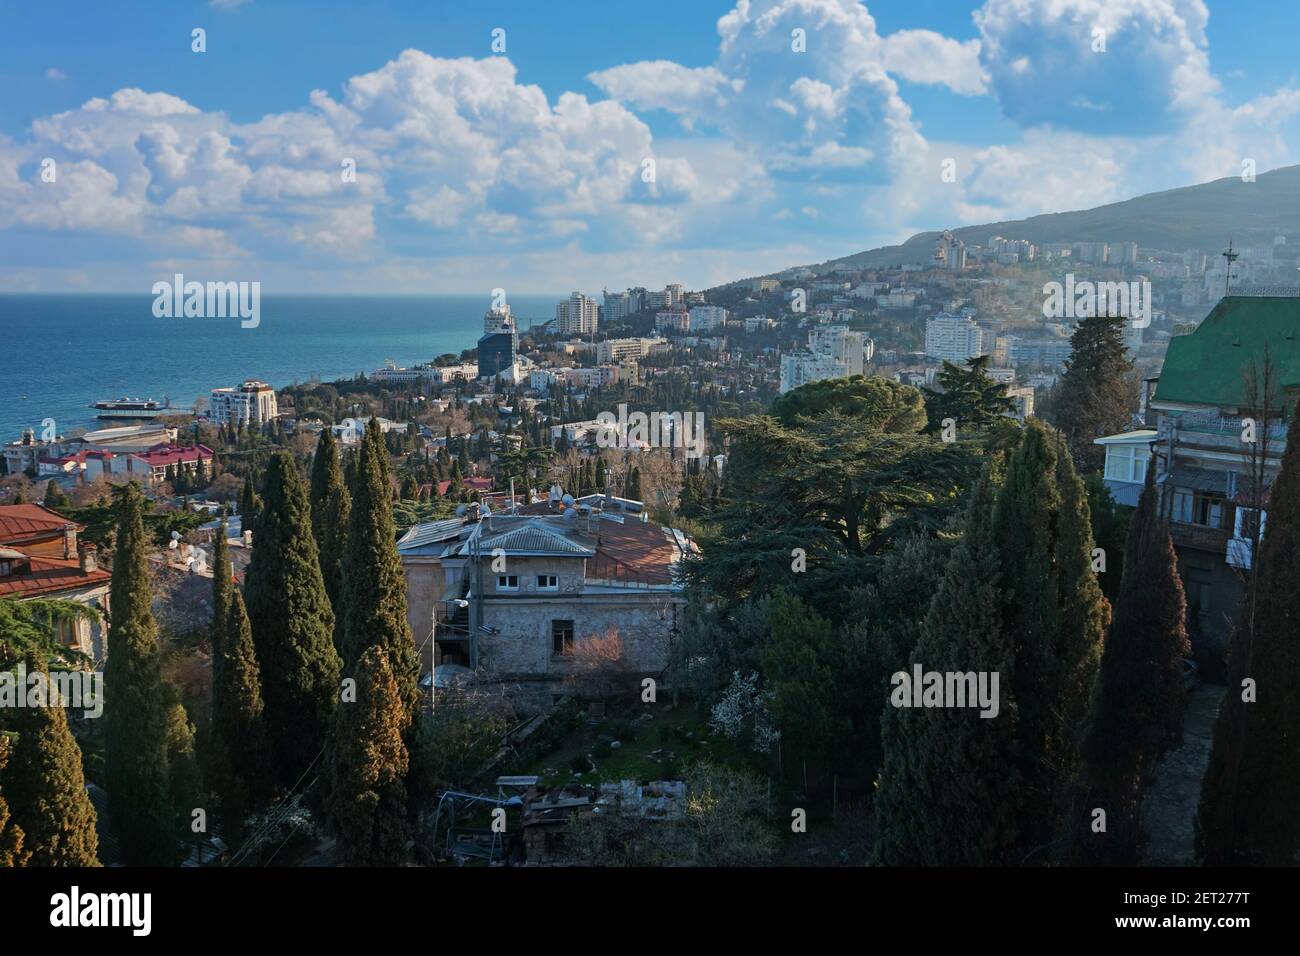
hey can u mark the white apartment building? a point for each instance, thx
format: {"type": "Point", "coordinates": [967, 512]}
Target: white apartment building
{"type": "Point", "coordinates": [953, 338]}
{"type": "Point", "coordinates": [706, 318]}
{"type": "Point", "coordinates": [252, 403]}
{"type": "Point", "coordinates": [577, 315]}
{"type": "Point", "coordinates": [612, 351]}
{"type": "Point", "coordinates": [833, 352]}
{"type": "Point", "coordinates": [672, 320]}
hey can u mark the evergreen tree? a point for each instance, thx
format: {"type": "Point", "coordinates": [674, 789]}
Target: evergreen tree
{"type": "Point", "coordinates": [331, 508]}
{"type": "Point", "coordinates": [55, 499]}
{"type": "Point", "coordinates": [221, 588]}
{"type": "Point", "coordinates": [374, 584]}
{"type": "Point", "coordinates": [1137, 707]}
{"type": "Point", "coordinates": [135, 715]}
{"type": "Point", "coordinates": [1084, 611]}
{"type": "Point", "coordinates": [966, 395]}
{"type": "Point", "coordinates": [1054, 609]}
{"type": "Point", "coordinates": [12, 838]}
{"type": "Point", "coordinates": [1097, 395]}
{"type": "Point", "coordinates": [367, 801]}
{"type": "Point", "coordinates": [292, 623]}
{"type": "Point", "coordinates": [242, 731]}
{"type": "Point", "coordinates": [1252, 786]}
{"type": "Point", "coordinates": [184, 781]}
{"type": "Point", "coordinates": [633, 487]}
{"type": "Point", "coordinates": [949, 780]}
{"type": "Point", "coordinates": [46, 789]}
{"type": "Point", "coordinates": [248, 503]}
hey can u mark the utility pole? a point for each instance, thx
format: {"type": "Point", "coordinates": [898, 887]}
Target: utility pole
{"type": "Point", "coordinates": [1231, 257]}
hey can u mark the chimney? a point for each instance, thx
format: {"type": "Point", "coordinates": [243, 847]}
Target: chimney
{"type": "Point", "coordinates": [86, 552]}
{"type": "Point", "coordinates": [69, 541]}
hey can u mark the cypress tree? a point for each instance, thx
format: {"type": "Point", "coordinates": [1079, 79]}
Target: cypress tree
{"type": "Point", "coordinates": [12, 838]}
{"type": "Point", "coordinates": [331, 507]}
{"type": "Point", "coordinates": [135, 714]}
{"type": "Point", "coordinates": [1054, 610]}
{"type": "Point", "coordinates": [1137, 707]}
{"type": "Point", "coordinates": [242, 729]}
{"type": "Point", "coordinates": [1084, 612]}
{"type": "Point", "coordinates": [55, 499]}
{"type": "Point", "coordinates": [949, 779]}
{"type": "Point", "coordinates": [46, 789]}
{"type": "Point", "coordinates": [248, 503]}
{"type": "Point", "coordinates": [374, 584]}
{"type": "Point", "coordinates": [292, 623]}
{"type": "Point", "coordinates": [367, 801]}
{"type": "Point", "coordinates": [184, 780]}
{"type": "Point", "coordinates": [221, 588]}
{"type": "Point", "coordinates": [1252, 786]}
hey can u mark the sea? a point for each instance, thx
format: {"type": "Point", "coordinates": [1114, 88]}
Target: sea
{"type": "Point", "coordinates": [63, 352]}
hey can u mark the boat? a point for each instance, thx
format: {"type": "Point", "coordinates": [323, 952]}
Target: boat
{"type": "Point", "coordinates": [133, 409]}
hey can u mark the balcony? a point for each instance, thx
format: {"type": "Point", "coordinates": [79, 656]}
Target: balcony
{"type": "Point", "coordinates": [1199, 537]}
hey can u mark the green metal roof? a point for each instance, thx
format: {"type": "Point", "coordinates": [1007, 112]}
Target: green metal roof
{"type": "Point", "coordinates": [1208, 366]}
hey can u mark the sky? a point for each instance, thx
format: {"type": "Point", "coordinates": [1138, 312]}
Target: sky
{"type": "Point", "coordinates": [426, 146]}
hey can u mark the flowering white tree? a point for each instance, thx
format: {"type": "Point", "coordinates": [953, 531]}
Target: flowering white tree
{"type": "Point", "coordinates": [744, 709]}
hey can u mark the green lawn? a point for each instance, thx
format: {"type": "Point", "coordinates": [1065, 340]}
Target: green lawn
{"type": "Point", "coordinates": [657, 750]}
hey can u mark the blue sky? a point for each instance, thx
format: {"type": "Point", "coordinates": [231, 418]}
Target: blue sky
{"type": "Point", "coordinates": [527, 169]}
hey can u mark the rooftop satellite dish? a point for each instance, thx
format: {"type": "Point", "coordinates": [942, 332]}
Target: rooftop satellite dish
{"type": "Point", "coordinates": [176, 535]}
{"type": "Point", "coordinates": [460, 511]}
{"type": "Point", "coordinates": [173, 544]}
{"type": "Point", "coordinates": [567, 499]}
{"type": "Point", "coordinates": [484, 509]}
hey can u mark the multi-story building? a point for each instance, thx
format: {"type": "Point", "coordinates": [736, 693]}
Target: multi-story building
{"type": "Point", "coordinates": [953, 338]}
{"type": "Point", "coordinates": [498, 347]}
{"type": "Point", "coordinates": [833, 351]}
{"type": "Point", "coordinates": [619, 305]}
{"type": "Point", "coordinates": [41, 558]}
{"type": "Point", "coordinates": [518, 594]}
{"type": "Point", "coordinates": [706, 318]}
{"type": "Point", "coordinates": [252, 403]}
{"type": "Point", "coordinates": [672, 320]}
{"type": "Point", "coordinates": [1217, 446]}
{"type": "Point", "coordinates": [577, 315]}
{"type": "Point", "coordinates": [612, 351]}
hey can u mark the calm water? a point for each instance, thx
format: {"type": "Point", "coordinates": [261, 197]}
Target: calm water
{"type": "Point", "coordinates": [63, 352]}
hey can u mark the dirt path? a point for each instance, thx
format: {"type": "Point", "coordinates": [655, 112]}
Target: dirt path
{"type": "Point", "coordinates": [1169, 814]}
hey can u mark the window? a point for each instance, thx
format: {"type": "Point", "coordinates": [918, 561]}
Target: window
{"type": "Point", "coordinates": [507, 582]}
{"type": "Point", "coordinates": [1127, 462]}
{"type": "Point", "coordinates": [561, 638]}
{"type": "Point", "coordinates": [548, 582]}
{"type": "Point", "coordinates": [1197, 507]}
{"type": "Point", "coordinates": [6, 568]}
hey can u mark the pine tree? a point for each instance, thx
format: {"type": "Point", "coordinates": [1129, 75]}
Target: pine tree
{"type": "Point", "coordinates": [135, 716]}
{"type": "Point", "coordinates": [221, 588]}
{"type": "Point", "coordinates": [367, 802]}
{"type": "Point", "coordinates": [184, 780]}
{"type": "Point", "coordinates": [46, 789]}
{"type": "Point", "coordinates": [12, 839]}
{"type": "Point", "coordinates": [292, 623]}
{"type": "Point", "coordinates": [1137, 707]}
{"type": "Point", "coordinates": [1097, 395]}
{"type": "Point", "coordinates": [331, 508]}
{"type": "Point", "coordinates": [949, 780]}
{"type": "Point", "coordinates": [374, 584]}
{"type": "Point", "coordinates": [1252, 786]}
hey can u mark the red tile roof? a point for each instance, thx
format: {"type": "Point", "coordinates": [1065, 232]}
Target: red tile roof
{"type": "Point", "coordinates": [24, 522]}
{"type": "Point", "coordinates": [160, 456]}
{"type": "Point", "coordinates": [51, 575]}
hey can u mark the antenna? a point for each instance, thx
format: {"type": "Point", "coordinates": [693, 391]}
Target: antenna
{"type": "Point", "coordinates": [1231, 257]}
